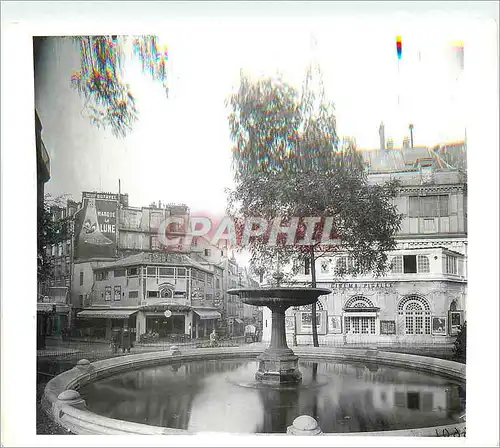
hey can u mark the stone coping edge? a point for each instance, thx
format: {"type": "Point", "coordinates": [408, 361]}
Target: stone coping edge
{"type": "Point", "coordinates": [79, 420]}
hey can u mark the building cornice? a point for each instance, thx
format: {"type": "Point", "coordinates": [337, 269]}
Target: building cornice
{"type": "Point", "coordinates": [425, 189]}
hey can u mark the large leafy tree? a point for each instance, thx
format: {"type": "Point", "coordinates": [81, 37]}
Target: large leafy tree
{"type": "Point", "coordinates": [108, 100]}
{"type": "Point", "coordinates": [288, 164]}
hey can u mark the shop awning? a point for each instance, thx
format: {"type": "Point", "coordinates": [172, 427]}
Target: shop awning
{"type": "Point", "coordinates": [207, 314]}
{"type": "Point", "coordinates": [107, 314]}
{"type": "Point", "coordinates": [49, 307]}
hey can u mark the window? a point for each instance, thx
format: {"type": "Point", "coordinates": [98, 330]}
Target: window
{"type": "Point", "coordinates": [417, 315]}
{"type": "Point", "coordinates": [166, 272]}
{"type": "Point", "coordinates": [359, 325]}
{"type": "Point", "coordinates": [207, 252]}
{"type": "Point", "coordinates": [133, 294]}
{"type": "Point", "coordinates": [423, 264]}
{"type": "Point", "coordinates": [101, 275]}
{"type": "Point", "coordinates": [81, 278]}
{"type": "Point", "coordinates": [307, 267]}
{"type": "Point", "coordinates": [151, 271]}
{"type": "Point", "coordinates": [153, 294]}
{"type": "Point", "coordinates": [217, 283]}
{"type": "Point", "coordinates": [181, 272]}
{"type": "Point", "coordinates": [397, 265]}
{"type": "Point", "coordinates": [119, 273]}
{"type": "Point", "coordinates": [410, 264]}
{"type": "Point", "coordinates": [429, 225]}
{"type": "Point", "coordinates": [325, 267]}
{"type": "Point", "coordinates": [428, 206]}
{"type": "Point", "coordinates": [209, 280]}
{"type": "Point", "coordinates": [117, 293]}
{"type": "Point", "coordinates": [450, 264]}
{"type": "Point", "coordinates": [132, 272]}
{"type": "Point", "coordinates": [155, 243]}
{"type": "Point", "coordinates": [341, 264]}
{"type": "Point", "coordinates": [107, 293]}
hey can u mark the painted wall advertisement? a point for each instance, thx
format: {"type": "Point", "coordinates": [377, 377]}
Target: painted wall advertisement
{"type": "Point", "coordinates": [96, 226]}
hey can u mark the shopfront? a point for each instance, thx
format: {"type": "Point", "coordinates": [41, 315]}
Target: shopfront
{"type": "Point", "coordinates": [205, 321]}
{"type": "Point", "coordinates": [98, 323]}
{"type": "Point", "coordinates": [165, 326]}
{"type": "Point", "coordinates": [52, 318]}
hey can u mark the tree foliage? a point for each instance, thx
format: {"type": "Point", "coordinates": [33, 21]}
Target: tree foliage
{"type": "Point", "coordinates": [460, 345]}
{"type": "Point", "coordinates": [287, 163]}
{"type": "Point", "coordinates": [109, 102]}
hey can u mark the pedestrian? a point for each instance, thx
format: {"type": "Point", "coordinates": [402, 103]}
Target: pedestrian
{"type": "Point", "coordinates": [213, 338]}
{"type": "Point", "coordinates": [115, 339]}
{"type": "Point", "coordinates": [126, 340]}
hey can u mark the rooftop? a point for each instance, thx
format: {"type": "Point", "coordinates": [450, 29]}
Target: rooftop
{"type": "Point", "coordinates": [446, 157]}
{"type": "Point", "coordinates": [148, 258]}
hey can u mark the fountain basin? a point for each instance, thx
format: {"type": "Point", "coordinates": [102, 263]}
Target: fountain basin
{"type": "Point", "coordinates": [81, 421]}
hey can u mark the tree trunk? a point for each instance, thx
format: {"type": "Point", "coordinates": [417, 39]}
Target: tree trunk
{"type": "Point", "coordinates": [313, 310]}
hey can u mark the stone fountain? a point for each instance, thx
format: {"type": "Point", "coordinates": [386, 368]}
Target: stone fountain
{"type": "Point", "coordinates": [278, 364]}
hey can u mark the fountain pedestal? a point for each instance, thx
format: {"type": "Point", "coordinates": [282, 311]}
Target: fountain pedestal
{"type": "Point", "coordinates": [278, 364]}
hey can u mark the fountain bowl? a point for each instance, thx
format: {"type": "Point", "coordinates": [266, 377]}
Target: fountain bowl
{"type": "Point", "coordinates": [283, 296]}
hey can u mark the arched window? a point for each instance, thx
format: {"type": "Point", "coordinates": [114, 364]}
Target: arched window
{"type": "Point", "coordinates": [453, 306]}
{"type": "Point", "coordinates": [359, 302]}
{"type": "Point", "coordinates": [355, 324]}
{"type": "Point", "coordinates": [417, 315]}
{"type": "Point", "coordinates": [319, 307]}
{"type": "Point", "coordinates": [306, 316]}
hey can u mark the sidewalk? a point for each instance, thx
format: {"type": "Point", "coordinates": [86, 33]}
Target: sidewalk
{"type": "Point", "coordinates": [56, 348]}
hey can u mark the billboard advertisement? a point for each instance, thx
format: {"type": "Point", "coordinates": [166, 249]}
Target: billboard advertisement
{"type": "Point", "coordinates": [96, 226]}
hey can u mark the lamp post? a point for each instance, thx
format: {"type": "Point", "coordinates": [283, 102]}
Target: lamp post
{"type": "Point", "coordinates": [295, 309]}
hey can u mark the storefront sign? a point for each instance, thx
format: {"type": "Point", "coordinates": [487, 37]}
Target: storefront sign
{"type": "Point", "coordinates": [305, 322]}
{"type": "Point", "coordinates": [387, 327]}
{"type": "Point", "coordinates": [375, 285]}
{"type": "Point", "coordinates": [335, 324]}
{"type": "Point", "coordinates": [159, 257]}
{"type": "Point", "coordinates": [96, 226]}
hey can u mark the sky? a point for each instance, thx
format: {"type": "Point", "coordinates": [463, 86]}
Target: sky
{"type": "Point", "coordinates": [179, 150]}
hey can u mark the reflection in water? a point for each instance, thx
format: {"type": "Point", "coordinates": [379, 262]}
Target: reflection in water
{"type": "Point", "coordinates": [209, 396]}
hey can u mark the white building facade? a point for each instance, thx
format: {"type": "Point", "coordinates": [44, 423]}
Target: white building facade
{"type": "Point", "coordinates": [422, 299]}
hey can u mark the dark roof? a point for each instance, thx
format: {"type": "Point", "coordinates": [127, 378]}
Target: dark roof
{"type": "Point", "coordinates": [445, 157]}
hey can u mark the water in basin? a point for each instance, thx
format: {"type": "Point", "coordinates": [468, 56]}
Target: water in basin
{"type": "Point", "coordinates": [222, 395]}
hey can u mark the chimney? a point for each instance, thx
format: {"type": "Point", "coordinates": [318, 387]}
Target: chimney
{"type": "Point", "coordinates": [381, 133]}
{"type": "Point", "coordinates": [406, 143]}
